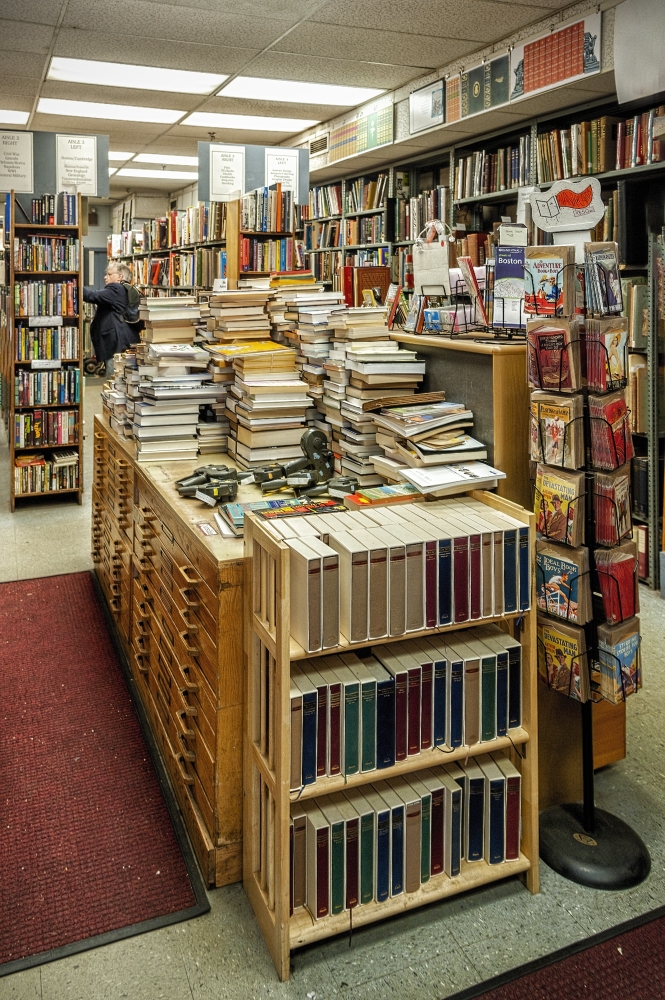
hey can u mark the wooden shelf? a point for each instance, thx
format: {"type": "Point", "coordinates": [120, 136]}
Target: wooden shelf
{"type": "Point", "coordinates": [43, 447]}
{"type": "Point", "coordinates": [365, 211]}
{"type": "Point", "coordinates": [324, 218]}
{"type": "Point", "coordinates": [45, 406]}
{"type": "Point", "coordinates": [64, 361]}
{"type": "Point", "coordinates": [17, 319]}
{"type": "Point", "coordinates": [49, 493]}
{"type": "Point", "coordinates": [426, 758]}
{"type": "Point", "coordinates": [41, 226]}
{"type": "Point", "coordinates": [324, 249]}
{"type": "Point", "coordinates": [32, 274]}
{"type": "Point", "coordinates": [304, 930]}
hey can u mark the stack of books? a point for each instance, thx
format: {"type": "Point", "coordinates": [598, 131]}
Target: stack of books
{"type": "Point", "coordinates": [426, 434]}
{"type": "Point", "coordinates": [268, 407]}
{"type": "Point", "coordinates": [301, 318]}
{"type": "Point", "coordinates": [169, 320]}
{"type": "Point", "coordinates": [239, 315]}
{"type": "Point", "coordinates": [212, 430]}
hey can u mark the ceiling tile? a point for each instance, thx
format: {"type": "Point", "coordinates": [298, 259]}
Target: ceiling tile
{"type": "Point", "coordinates": [368, 44]}
{"type": "Point", "coordinates": [240, 136]}
{"type": "Point", "coordinates": [287, 10]}
{"type": "Point", "coordinates": [32, 63]}
{"type": "Point", "coordinates": [36, 11]}
{"type": "Point", "coordinates": [122, 131]}
{"type": "Point", "coordinates": [322, 69]}
{"type": "Point", "coordinates": [21, 36]}
{"type": "Point", "coordinates": [162, 20]}
{"type": "Point", "coordinates": [12, 87]}
{"type": "Point", "coordinates": [203, 56]}
{"type": "Point", "coordinates": [271, 109]}
{"type": "Point", "coordinates": [119, 95]}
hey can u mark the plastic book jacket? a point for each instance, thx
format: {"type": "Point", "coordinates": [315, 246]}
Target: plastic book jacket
{"type": "Point", "coordinates": [543, 285]}
{"type": "Point", "coordinates": [560, 660]}
{"type": "Point", "coordinates": [548, 432]}
{"type": "Point", "coordinates": [549, 357]}
{"type": "Point", "coordinates": [620, 667]}
{"type": "Point", "coordinates": [555, 506]}
{"type": "Point", "coordinates": [509, 287]}
{"type": "Point", "coordinates": [557, 586]}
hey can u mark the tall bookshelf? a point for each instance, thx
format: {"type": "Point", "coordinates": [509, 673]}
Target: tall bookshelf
{"type": "Point", "coordinates": [45, 362]}
{"type": "Point", "coordinates": [267, 757]}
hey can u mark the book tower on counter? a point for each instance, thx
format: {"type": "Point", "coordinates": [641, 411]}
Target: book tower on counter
{"type": "Point", "coordinates": [42, 356]}
{"type": "Point", "coordinates": [586, 562]}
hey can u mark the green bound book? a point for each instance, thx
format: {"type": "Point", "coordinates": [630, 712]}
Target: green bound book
{"type": "Point", "coordinates": [367, 842]}
{"type": "Point", "coordinates": [367, 711]}
{"type": "Point", "coordinates": [488, 698]}
{"type": "Point", "coordinates": [426, 827]}
{"type": "Point", "coordinates": [351, 712]}
{"type": "Point", "coordinates": [337, 866]}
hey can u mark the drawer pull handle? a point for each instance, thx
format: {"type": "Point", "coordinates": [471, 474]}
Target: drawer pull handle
{"type": "Point", "coordinates": [192, 650]}
{"type": "Point", "coordinates": [139, 663]}
{"type": "Point", "coordinates": [189, 686]}
{"type": "Point", "coordinates": [185, 733]}
{"type": "Point", "coordinates": [186, 596]}
{"type": "Point", "coordinates": [180, 764]}
{"type": "Point", "coordinates": [190, 625]}
{"type": "Point", "coordinates": [188, 709]}
{"type": "Point", "coordinates": [190, 575]}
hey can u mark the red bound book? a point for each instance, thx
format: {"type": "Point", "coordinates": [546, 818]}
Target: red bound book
{"type": "Point", "coordinates": [475, 556]}
{"type": "Point", "coordinates": [347, 285]}
{"type": "Point", "coordinates": [430, 584]}
{"type": "Point", "coordinates": [401, 712]}
{"type": "Point", "coordinates": [513, 794]}
{"type": "Point", "coordinates": [322, 872]}
{"type": "Point", "coordinates": [335, 693]}
{"type": "Point", "coordinates": [414, 692]}
{"type": "Point", "coordinates": [436, 845]}
{"type": "Point", "coordinates": [461, 578]}
{"type": "Point", "coordinates": [352, 863]}
{"type": "Point", "coordinates": [321, 730]}
{"type": "Point", "coordinates": [426, 710]}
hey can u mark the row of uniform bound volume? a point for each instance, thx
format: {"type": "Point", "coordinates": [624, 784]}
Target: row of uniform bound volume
{"type": "Point", "coordinates": [351, 715]}
{"type": "Point", "coordinates": [386, 572]}
{"type": "Point", "coordinates": [392, 837]}
{"type": "Point", "coordinates": [45, 343]}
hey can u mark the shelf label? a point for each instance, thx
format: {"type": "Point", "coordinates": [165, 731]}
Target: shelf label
{"type": "Point", "coordinates": [227, 172]}
{"type": "Point", "coordinates": [76, 164]}
{"type": "Point", "coordinates": [220, 284]}
{"type": "Point", "coordinates": [43, 320]}
{"type": "Point", "coordinates": [16, 162]}
{"type": "Point", "coordinates": [46, 363]}
{"type": "Point", "coordinates": [282, 168]}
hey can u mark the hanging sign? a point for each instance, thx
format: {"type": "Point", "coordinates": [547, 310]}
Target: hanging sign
{"type": "Point", "coordinates": [427, 107]}
{"type": "Point", "coordinates": [76, 164]}
{"type": "Point", "coordinates": [568, 205]}
{"type": "Point", "coordinates": [282, 168]}
{"type": "Point", "coordinates": [16, 172]}
{"type": "Point", "coordinates": [227, 172]}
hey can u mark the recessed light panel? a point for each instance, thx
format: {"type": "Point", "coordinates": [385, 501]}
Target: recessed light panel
{"type": "Point", "coordinates": [14, 117]}
{"type": "Point", "coordinates": [180, 175]}
{"type": "Point", "coordinates": [109, 74]}
{"type": "Point", "coordinates": [185, 161]}
{"type": "Point", "coordinates": [258, 123]}
{"type": "Point", "coordinates": [294, 91]}
{"type": "Point", "coordinates": [113, 155]}
{"type": "Point", "coordinates": [111, 112]}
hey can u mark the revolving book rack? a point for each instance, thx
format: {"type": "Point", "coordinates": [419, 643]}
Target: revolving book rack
{"type": "Point", "coordinates": [271, 650]}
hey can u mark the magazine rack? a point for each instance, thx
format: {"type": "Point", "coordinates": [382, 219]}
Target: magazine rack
{"type": "Point", "coordinates": [584, 844]}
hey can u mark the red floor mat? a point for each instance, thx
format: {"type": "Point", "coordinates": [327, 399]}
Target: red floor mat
{"type": "Point", "coordinates": [87, 844]}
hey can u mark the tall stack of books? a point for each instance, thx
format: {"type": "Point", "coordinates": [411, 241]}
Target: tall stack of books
{"type": "Point", "coordinates": [238, 315]}
{"type": "Point", "coordinates": [169, 320]}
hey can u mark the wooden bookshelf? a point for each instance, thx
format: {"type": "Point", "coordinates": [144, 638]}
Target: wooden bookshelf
{"type": "Point", "coordinates": [12, 365]}
{"type": "Point", "coordinates": [267, 757]}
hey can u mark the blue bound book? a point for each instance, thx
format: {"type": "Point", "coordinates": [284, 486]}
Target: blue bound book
{"type": "Point", "coordinates": [501, 694]}
{"type": "Point", "coordinates": [385, 723]}
{"type": "Point", "coordinates": [495, 811]}
{"type": "Point", "coordinates": [510, 570]}
{"type": "Point", "coordinates": [445, 581]}
{"type": "Point", "coordinates": [525, 575]}
{"type": "Point", "coordinates": [440, 671]}
{"type": "Point", "coordinates": [475, 810]}
{"type": "Point", "coordinates": [455, 832]}
{"type": "Point", "coordinates": [514, 686]}
{"type": "Point", "coordinates": [397, 851]}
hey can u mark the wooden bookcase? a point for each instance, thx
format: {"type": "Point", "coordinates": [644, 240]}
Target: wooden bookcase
{"type": "Point", "coordinates": [18, 229]}
{"type": "Point", "coordinates": [267, 756]}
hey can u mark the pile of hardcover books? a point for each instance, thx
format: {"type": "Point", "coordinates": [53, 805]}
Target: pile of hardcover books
{"type": "Point", "coordinates": [169, 320]}
{"type": "Point", "coordinates": [238, 315]}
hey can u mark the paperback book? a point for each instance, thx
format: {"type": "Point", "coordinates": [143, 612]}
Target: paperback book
{"type": "Point", "coordinates": [563, 586]}
{"type": "Point", "coordinates": [611, 437]}
{"type": "Point", "coordinates": [559, 505]}
{"type": "Point", "coordinates": [603, 283]}
{"type": "Point", "coordinates": [553, 354]}
{"type": "Point", "coordinates": [617, 577]}
{"type": "Point", "coordinates": [611, 504]}
{"type": "Point", "coordinates": [562, 659]}
{"type": "Point", "coordinates": [509, 287]}
{"type": "Point", "coordinates": [619, 660]}
{"type": "Point", "coordinates": [549, 280]}
{"type": "Point", "coordinates": [557, 430]}
{"type": "Point", "coordinates": [606, 353]}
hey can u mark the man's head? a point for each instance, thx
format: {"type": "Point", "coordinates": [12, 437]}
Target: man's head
{"type": "Point", "coordinates": [116, 272]}
{"type": "Point", "coordinates": [556, 502]}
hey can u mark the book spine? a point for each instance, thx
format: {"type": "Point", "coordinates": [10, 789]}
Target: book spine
{"type": "Point", "coordinates": [439, 708]}
{"type": "Point", "coordinates": [397, 851]}
{"type": "Point", "coordinates": [385, 723]}
{"type": "Point", "coordinates": [351, 728]}
{"type": "Point", "coordinates": [501, 695]}
{"type": "Point", "coordinates": [461, 578]}
{"type": "Point", "coordinates": [352, 862]}
{"type": "Point", "coordinates": [514, 687]}
{"type": "Point", "coordinates": [513, 803]}
{"type": "Point", "coordinates": [335, 724]}
{"type": "Point", "coordinates": [456, 704]}
{"type": "Point", "coordinates": [367, 858]}
{"type": "Point", "coordinates": [368, 726]}
{"type": "Point", "coordinates": [382, 856]}
{"type": "Point", "coordinates": [426, 706]}
{"type": "Point", "coordinates": [488, 699]}
{"type": "Point", "coordinates": [309, 746]}
{"type": "Point", "coordinates": [475, 820]}
{"type": "Point", "coordinates": [414, 698]}
{"type": "Point", "coordinates": [337, 844]}
{"type": "Point", "coordinates": [496, 822]}
{"type": "Point", "coordinates": [322, 732]}
{"type": "Point", "coordinates": [510, 571]}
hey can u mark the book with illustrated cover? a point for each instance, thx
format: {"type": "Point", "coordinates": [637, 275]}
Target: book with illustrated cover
{"type": "Point", "coordinates": [603, 283]}
{"type": "Point", "coordinates": [553, 355]}
{"type": "Point", "coordinates": [606, 353]}
{"type": "Point", "coordinates": [562, 660]}
{"type": "Point", "coordinates": [557, 429]}
{"type": "Point", "coordinates": [559, 505]}
{"type": "Point", "coordinates": [563, 586]}
{"type": "Point", "coordinates": [617, 576]}
{"type": "Point", "coordinates": [473, 288]}
{"type": "Point", "coordinates": [509, 287]}
{"type": "Point", "coordinates": [611, 504]}
{"type": "Point", "coordinates": [611, 438]}
{"type": "Point", "coordinates": [619, 660]}
{"type": "Point", "coordinates": [549, 280]}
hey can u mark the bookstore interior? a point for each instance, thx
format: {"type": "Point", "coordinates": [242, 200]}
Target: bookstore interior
{"type": "Point", "coordinates": [395, 318]}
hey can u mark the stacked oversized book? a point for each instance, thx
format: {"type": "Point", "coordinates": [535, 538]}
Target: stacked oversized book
{"type": "Point", "coordinates": [389, 838]}
{"type": "Point", "coordinates": [238, 315]}
{"type": "Point", "coordinates": [212, 429]}
{"type": "Point", "coordinates": [301, 317]}
{"type": "Point", "coordinates": [268, 405]}
{"type": "Point", "coordinates": [426, 433]}
{"type": "Point", "coordinates": [169, 320]}
{"type": "Point", "coordinates": [402, 569]}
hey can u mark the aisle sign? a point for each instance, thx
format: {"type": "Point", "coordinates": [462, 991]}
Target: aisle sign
{"type": "Point", "coordinates": [16, 172]}
{"type": "Point", "coordinates": [282, 168]}
{"type": "Point", "coordinates": [76, 164]}
{"type": "Point", "coordinates": [227, 172]}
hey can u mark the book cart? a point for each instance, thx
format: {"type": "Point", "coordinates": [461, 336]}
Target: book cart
{"type": "Point", "coordinates": [21, 362]}
{"type": "Point", "coordinates": [270, 650]}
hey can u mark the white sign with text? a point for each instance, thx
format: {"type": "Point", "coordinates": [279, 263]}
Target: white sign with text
{"type": "Point", "coordinates": [16, 162]}
{"type": "Point", "coordinates": [227, 172]}
{"type": "Point", "coordinates": [76, 164]}
{"type": "Point", "coordinates": [282, 168]}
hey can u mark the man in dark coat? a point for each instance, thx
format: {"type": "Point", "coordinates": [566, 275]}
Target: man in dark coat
{"type": "Point", "coordinates": [108, 330]}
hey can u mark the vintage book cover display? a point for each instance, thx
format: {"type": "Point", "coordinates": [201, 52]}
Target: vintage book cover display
{"type": "Point", "coordinates": [562, 658]}
{"type": "Point", "coordinates": [562, 582]}
{"type": "Point", "coordinates": [557, 430]}
{"type": "Point", "coordinates": [559, 505]}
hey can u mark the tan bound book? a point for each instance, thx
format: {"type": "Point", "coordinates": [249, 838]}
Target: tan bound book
{"type": "Point", "coordinates": [296, 737]}
{"type": "Point", "coordinates": [412, 832]}
{"type": "Point", "coordinates": [299, 855]}
{"type": "Point", "coordinates": [318, 864]}
{"type": "Point", "coordinates": [329, 591]}
{"type": "Point", "coordinates": [377, 582]}
{"type": "Point", "coordinates": [396, 581]}
{"type": "Point", "coordinates": [305, 595]}
{"type": "Point", "coordinates": [353, 584]}
{"type": "Point", "coordinates": [414, 544]}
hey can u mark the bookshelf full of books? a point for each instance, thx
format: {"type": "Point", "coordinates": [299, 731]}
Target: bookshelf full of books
{"type": "Point", "coordinates": [267, 237]}
{"type": "Point", "coordinates": [42, 360]}
{"type": "Point", "coordinates": [391, 751]}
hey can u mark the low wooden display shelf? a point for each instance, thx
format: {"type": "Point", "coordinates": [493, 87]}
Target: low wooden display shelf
{"type": "Point", "coordinates": [266, 851]}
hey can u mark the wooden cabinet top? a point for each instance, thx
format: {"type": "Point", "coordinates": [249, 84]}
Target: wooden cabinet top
{"type": "Point", "coordinates": [465, 342]}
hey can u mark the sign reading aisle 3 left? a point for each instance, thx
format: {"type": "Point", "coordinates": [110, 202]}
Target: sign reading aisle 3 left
{"type": "Point", "coordinates": [76, 164]}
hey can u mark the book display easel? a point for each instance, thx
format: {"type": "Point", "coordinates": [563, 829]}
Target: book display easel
{"type": "Point", "coordinates": [269, 769]}
{"type": "Point", "coordinates": [42, 354]}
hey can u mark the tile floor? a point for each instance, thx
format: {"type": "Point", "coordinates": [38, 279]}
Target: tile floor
{"type": "Point", "coordinates": [428, 953]}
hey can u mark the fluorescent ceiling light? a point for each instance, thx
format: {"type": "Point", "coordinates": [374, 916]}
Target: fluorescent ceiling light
{"type": "Point", "coordinates": [113, 112]}
{"type": "Point", "coordinates": [119, 156]}
{"type": "Point", "coordinates": [258, 123]}
{"type": "Point", "coordinates": [109, 74]}
{"type": "Point", "coordinates": [294, 91]}
{"type": "Point", "coordinates": [14, 117]}
{"type": "Point", "coordinates": [184, 175]}
{"type": "Point", "coordinates": [185, 161]}
{"type": "Point", "coordinates": [112, 171]}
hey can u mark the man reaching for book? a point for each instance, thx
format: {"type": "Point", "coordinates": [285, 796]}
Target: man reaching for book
{"type": "Point", "coordinates": [112, 329]}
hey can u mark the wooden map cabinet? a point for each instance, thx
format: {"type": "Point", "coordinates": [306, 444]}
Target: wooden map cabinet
{"type": "Point", "coordinates": [267, 756]}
